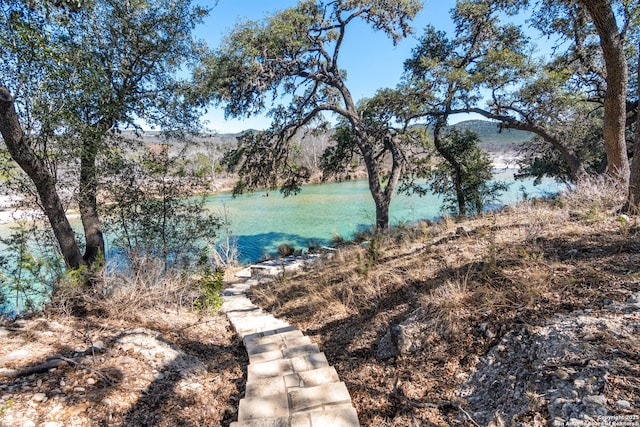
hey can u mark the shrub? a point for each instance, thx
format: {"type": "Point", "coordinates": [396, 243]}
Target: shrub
{"type": "Point", "coordinates": [211, 284]}
{"type": "Point", "coordinates": [286, 249]}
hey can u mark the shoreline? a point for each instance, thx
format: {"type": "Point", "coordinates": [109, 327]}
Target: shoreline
{"type": "Point", "coordinates": [10, 213]}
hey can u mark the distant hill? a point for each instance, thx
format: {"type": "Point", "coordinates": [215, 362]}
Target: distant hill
{"type": "Point", "coordinates": [494, 139]}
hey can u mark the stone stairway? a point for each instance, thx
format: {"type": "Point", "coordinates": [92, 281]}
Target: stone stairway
{"type": "Point", "coordinates": [289, 381]}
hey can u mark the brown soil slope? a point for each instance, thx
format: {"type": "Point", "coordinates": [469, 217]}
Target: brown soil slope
{"type": "Point", "coordinates": [530, 316]}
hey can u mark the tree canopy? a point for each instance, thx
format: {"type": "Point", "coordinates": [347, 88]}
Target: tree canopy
{"type": "Point", "coordinates": [74, 73]}
{"type": "Point", "coordinates": [297, 53]}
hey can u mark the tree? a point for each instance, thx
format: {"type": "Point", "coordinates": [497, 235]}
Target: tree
{"type": "Point", "coordinates": [465, 182]}
{"type": "Point", "coordinates": [633, 200]}
{"type": "Point", "coordinates": [615, 98]}
{"type": "Point", "coordinates": [150, 217]}
{"type": "Point", "coordinates": [297, 52]}
{"type": "Point", "coordinates": [446, 77]}
{"type": "Point", "coordinates": [75, 74]}
{"type": "Point", "coordinates": [559, 100]}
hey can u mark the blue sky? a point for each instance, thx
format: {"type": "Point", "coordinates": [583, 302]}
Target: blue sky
{"type": "Point", "coordinates": [370, 58]}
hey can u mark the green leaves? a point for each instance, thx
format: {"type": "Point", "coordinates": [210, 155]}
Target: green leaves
{"type": "Point", "coordinates": [464, 180]}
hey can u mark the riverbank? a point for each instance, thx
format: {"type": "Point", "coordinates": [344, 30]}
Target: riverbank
{"type": "Point", "coordinates": [527, 316]}
{"type": "Point", "coordinates": [11, 209]}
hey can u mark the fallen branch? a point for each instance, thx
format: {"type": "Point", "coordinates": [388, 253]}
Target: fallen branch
{"type": "Point", "coordinates": [38, 369]}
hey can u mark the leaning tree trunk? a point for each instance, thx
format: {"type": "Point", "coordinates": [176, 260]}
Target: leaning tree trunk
{"type": "Point", "coordinates": [87, 201]}
{"type": "Point", "coordinates": [23, 154]}
{"type": "Point", "coordinates": [633, 198]}
{"type": "Point", "coordinates": [615, 100]}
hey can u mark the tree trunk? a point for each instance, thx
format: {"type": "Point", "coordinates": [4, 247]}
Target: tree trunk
{"type": "Point", "coordinates": [457, 178]}
{"type": "Point", "coordinates": [615, 99]}
{"type": "Point", "coordinates": [381, 199]}
{"type": "Point", "coordinates": [34, 167]}
{"type": "Point", "coordinates": [633, 198]}
{"type": "Point", "coordinates": [87, 201]}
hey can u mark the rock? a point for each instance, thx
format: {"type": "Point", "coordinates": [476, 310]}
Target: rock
{"type": "Point", "coordinates": [484, 327]}
{"type": "Point", "coordinates": [79, 389]}
{"type": "Point", "coordinates": [98, 345]}
{"type": "Point", "coordinates": [22, 353]}
{"type": "Point", "coordinates": [623, 218]}
{"type": "Point", "coordinates": [623, 404]}
{"type": "Point", "coordinates": [39, 397]}
{"type": "Point", "coordinates": [634, 299]}
{"type": "Point", "coordinates": [597, 400]}
{"type": "Point", "coordinates": [91, 381]}
{"type": "Point", "coordinates": [562, 373]}
{"type": "Point", "coordinates": [125, 360]}
{"type": "Point", "coordinates": [395, 342]}
{"type": "Point", "coordinates": [462, 230]}
{"type": "Point", "coordinates": [52, 424]}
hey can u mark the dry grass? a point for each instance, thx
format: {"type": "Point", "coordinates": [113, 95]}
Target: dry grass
{"type": "Point", "coordinates": [466, 286]}
{"type": "Point", "coordinates": [159, 362]}
{"type": "Point", "coordinates": [595, 198]}
{"type": "Point", "coordinates": [126, 294]}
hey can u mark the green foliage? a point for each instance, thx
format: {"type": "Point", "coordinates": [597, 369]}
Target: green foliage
{"type": "Point", "coordinates": [27, 277]}
{"type": "Point", "coordinates": [80, 72]}
{"type": "Point", "coordinates": [465, 183]}
{"type": "Point", "coordinates": [297, 52]}
{"type": "Point", "coordinates": [150, 215]}
{"type": "Point", "coordinates": [7, 405]}
{"type": "Point", "coordinates": [286, 249]}
{"type": "Point", "coordinates": [210, 283]}
{"type": "Point", "coordinates": [372, 254]}
{"type": "Point", "coordinates": [264, 160]}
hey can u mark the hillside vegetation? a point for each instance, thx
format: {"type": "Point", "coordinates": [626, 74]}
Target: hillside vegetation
{"type": "Point", "coordinates": [203, 154]}
{"type": "Point", "coordinates": [527, 316]}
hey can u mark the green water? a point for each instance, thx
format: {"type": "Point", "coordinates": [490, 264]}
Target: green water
{"type": "Point", "coordinates": [262, 221]}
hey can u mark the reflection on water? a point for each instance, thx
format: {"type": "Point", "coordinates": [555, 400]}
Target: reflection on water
{"type": "Point", "coordinates": [261, 221]}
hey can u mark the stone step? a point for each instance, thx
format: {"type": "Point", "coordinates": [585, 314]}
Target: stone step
{"type": "Point", "coordinates": [280, 405]}
{"type": "Point", "coordinates": [253, 348]}
{"type": "Point", "coordinates": [291, 382]}
{"type": "Point", "coordinates": [341, 416]}
{"type": "Point", "coordinates": [311, 378]}
{"type": "Point", "coordinates": [287, 353]}
{"type": "Point", "coordinates": [282, 367]}
{"type": "Point", "coordinates": [318, 397]}
{"type": "Point", "coordinates": [262, 322]}
{"type": "Point", "coordinates": [280, 334]}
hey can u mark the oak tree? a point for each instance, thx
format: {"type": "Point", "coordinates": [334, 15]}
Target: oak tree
{"type": "Point", "coordinates": [75, 73]}
{"type": "Point", "coordinates": [297, 53]}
